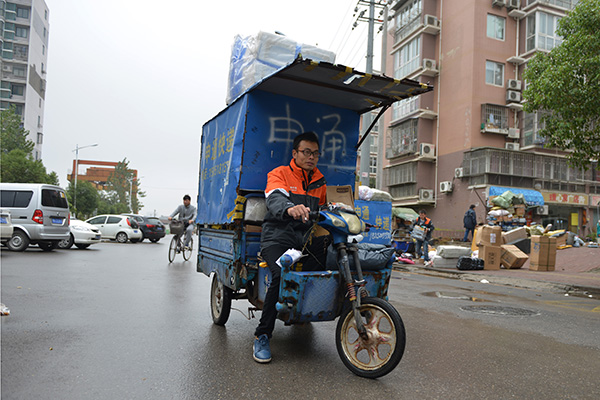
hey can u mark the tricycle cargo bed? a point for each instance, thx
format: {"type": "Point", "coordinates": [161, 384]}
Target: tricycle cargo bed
{"type": "Point", "coordinates": [255, 133]}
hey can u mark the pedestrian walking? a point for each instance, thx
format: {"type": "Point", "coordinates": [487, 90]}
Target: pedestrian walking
{"type": "Point", "coordinates": [470, 222]}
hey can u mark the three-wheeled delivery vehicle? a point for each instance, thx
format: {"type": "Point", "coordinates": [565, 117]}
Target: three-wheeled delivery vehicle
{"type": "Point", "coordinates": [252, 136]}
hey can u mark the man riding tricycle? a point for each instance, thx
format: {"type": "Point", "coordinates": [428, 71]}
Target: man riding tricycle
{"type": "Point", "coordinates": [267, 224]}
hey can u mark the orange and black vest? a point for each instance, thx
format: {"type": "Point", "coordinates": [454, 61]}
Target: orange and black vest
{"type": "Point", "coordinates": [287, 186]}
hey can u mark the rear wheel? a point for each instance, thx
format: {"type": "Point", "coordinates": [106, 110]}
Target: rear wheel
{"type": "Point", "coordinates": [187, 251]}
{"type": "Point", "coordinates": [173, 248]}
{"type": "Point", "coordinates": [381, 349]}
{"type": "Point", "coordinates": [122, 237]}
{"type": "Point", "coordinates": [18, 242]}
{"type": "Point", "coordinates": [66, 243]}
{"type": "Point", "coordinates": [220, 301]}
{"type": "Point", "coordinates": [48, 246]}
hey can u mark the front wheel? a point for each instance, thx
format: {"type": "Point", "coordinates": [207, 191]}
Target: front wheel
{"type": "Point", "coordinates": [380, 351]}
{"type": "Point", "coordinates": [220, 301]}
{"type": "Point", "coordinates": [66, 244]}
{"type": "Point", "coordinates": [173, 248]}
{"type": "Point", "coordinates": [187, 251]}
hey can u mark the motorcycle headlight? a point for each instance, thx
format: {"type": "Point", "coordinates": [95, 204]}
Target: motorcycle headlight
{"type": "Point", "coordinates": [355, 225]}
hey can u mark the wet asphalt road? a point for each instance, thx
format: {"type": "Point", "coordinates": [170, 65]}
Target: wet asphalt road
{"type": "Point", "coordinates": [119, 322]}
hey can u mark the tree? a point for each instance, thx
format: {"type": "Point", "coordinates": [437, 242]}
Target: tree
{"type": "Point", "coordinates": [16, 162]}
{"type": "Point", "coordinates": [18, 166]}
{"type": "Point", "coordinates": [88, 199]}
{"type": "Point", "coordinates": [119, 185]}
{"type": "Point", "coordinates": [566, 82]}
{"type": "Point", "coordinates": [13, 135]}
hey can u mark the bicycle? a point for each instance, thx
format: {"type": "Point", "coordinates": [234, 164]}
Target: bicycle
{"type": "Point", "coordinates": [176, 246]}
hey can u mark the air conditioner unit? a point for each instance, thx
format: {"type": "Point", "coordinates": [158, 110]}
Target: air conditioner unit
{"type": "Point", "coordinates": [427, 150]}
{"type": "Point", "coordinates": [513, 84]}
{"type": "Point", "coordinates": [499, 3]}
{"type": "Point", "coordinates": [446, 187]}
{"type": "Point", "coordinates": [429, 63]}
{"type": "Point", "coordinates": [514, 133]}
{"type": "Point", "coordinates": [426, 195]}
{"type": "Point", "coordinates": [6, 68]}
{"type": "Point", "coordinates": [432, 20]}
{"type": "Point", "coordinates": [512, 4]}
{"type": "Point", "coordinates": [542, 210]}
{"type": "Point", "coordinates": [459, 172]}
{"type": "Point", "coordinates": [511, 146]}
{"type": "Point", "coordinates": [512, 95]}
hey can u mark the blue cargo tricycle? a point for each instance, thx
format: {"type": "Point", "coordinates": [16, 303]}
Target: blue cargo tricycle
{"type": "Point", "coordinates": [253, 135]}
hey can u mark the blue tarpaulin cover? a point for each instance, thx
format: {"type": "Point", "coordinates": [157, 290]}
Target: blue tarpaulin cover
{"type": "Point", "coordinates": [532, 197]}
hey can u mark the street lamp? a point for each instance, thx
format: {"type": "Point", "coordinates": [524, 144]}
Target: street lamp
{"type": "Point", "coordinates": [76, 171]}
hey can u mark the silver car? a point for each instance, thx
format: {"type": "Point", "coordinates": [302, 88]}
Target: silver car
{"type": "Point", "coordinates": [39, 212]}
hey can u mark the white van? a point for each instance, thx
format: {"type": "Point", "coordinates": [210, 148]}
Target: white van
{"type": "Point", "coordinates": [39, 213]}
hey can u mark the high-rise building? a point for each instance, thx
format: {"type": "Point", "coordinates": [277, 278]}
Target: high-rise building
{"type": "Point", "coordinates": [469, 138]}
{"type": "Point", "coordinates": [24, 41]}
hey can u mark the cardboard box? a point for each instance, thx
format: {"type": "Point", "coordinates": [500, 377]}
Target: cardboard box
{"type": "Point", "coordinates": [519, 210]}
{"type": "Point", "coordinates": [514, 235]}
{"type": "Point", "coordinates": [512, 257]}
{"type": "Point", "coordinates": [561, 240]}
{"type": "Point", "coordinates": [476, 238]}
{"type": "Point", "coordinates": [543, 253]}
{"type": "Point", "coordinates": [490, 236]}
{"type": "Point", "coordinates": [490, 256]}
{"type": "Point", "coordinates": [340, 194]}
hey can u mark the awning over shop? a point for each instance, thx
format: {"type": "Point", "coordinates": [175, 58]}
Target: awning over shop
{"type": "Point", "coordinates": [532, 197]}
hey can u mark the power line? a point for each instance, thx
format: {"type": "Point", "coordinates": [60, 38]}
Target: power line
{"type": "Point", "coordinates": [341, 24]}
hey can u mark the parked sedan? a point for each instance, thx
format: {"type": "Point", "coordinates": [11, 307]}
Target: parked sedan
{"type": "Point", "coordinates": [117, 227]}
{"type": "Point", "coordinates": [151, 227]}
{"type": "Point", "coordinates": [6, 227]}
{"type": "Point", "coordinates": [82, 235]}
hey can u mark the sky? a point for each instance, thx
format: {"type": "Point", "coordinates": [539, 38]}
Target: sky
{"type": "Point", "coordinates": [141, 77]}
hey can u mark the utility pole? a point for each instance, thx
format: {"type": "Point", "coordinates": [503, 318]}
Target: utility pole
{"type": "Point", "coordinates": [365, 149]}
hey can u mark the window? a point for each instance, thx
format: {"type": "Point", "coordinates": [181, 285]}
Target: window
{"type": "Point", "coordinates": [43, 50]}
{"type": "Point", "coordinates": [407, 59]}
{"type": "Point", "coordinates": [46, 15]}
{"type": "Point", "coordinates": [404, 138]}
{"type": "Point", "coordinates": [43, 70]}
{"type": "Point", "coordinates": [40, 138]}
{"type": "Point", "coordinates": [374, 143]}
{"type": "Point", "coordinates": [532, 124]}
{"type": "Point", "coordinates": [97, 220]}
{"type": "Point", "coordinates": [19, 71]}
{"type": "Point", "coordinates": [21, 52]}
{"type": "Point", "coordinates": [21, 32]}
{"type": "Point", "coordinates": [113, 220]}
{"type": "Point", "coordinates": [541, 32]}
{"type": "Point", "coordinates": [400, 174]}
{"type": "Point", "coordinates": [494, 73]}
{"type": "Point", "coordinates": [373, 165]}
{"type": "Point", "coordinates": [15, 198]}
{"type": "Point", "coordinates": [408, 19]}
{"type": "Point", "coordinates": [17, 90]}
{"type": "Point", "coordinates": [405, 107]}
{"type": "Point", "coordinates": [54, 198]}
{"type": "Point", "coordinates": [44, 31]}
{"type": "Point", "coordinates": [495, 27]}
{"type": "Point", "coordinates": [23, 13]}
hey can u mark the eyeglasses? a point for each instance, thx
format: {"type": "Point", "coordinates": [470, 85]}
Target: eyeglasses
{"type": "Point", "coordinates": [309, 153]}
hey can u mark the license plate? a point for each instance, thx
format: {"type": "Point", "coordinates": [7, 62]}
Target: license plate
{"type": "Point", "coordinates": [159, 228]}
{"type": "Point", "coordinates": [98, 237]}
{"type": "Point", "coordinates": [57, 221]}
{"type": "Point", "coordinates": [135, 231]}
{"type": "Point", "coordinates": [3, 220]}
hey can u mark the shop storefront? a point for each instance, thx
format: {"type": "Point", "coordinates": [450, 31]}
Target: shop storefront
{"type": "Point", "coordinates": [568, 211]}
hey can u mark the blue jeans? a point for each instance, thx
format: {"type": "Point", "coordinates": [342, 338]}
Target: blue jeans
{"type": "Point", "coordinates": [467, 230]}
{"type": "Point", "coordinates": [425, 253]}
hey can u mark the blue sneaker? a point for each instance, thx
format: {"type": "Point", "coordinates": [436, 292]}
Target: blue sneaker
{"type": "Point", "coordinates": [262, 349]}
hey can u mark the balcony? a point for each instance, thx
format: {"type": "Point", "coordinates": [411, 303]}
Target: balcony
{"type": "Point", "coordinates": [494, 119]}
{"type": "Point", "coordinates": [423, 23]}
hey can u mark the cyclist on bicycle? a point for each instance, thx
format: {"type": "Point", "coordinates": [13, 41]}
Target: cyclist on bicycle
{"type": "Point", "coordinates": [187, 214]}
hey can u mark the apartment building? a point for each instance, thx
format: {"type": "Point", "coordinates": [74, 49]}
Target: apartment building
{"type": "Point", "coordinates": [24, 41]}
{"type": "Point", "coordinates": [470, 139]}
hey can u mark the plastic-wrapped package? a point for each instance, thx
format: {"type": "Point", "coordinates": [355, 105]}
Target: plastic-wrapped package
{"type": "Point", "coordinates": [365, 193]}
{"type": "Point", "coordinates": [253, 58]}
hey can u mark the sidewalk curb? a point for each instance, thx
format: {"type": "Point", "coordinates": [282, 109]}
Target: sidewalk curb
{"type": "Point", "coordinates": [500, 280]}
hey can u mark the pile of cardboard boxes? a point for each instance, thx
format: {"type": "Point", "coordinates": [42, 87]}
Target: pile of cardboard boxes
{"type": "Point", "coordinates": [496, 249]}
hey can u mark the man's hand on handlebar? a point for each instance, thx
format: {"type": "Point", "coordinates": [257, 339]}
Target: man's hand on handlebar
{"type": "Point", "coordinates": [299, 212]}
